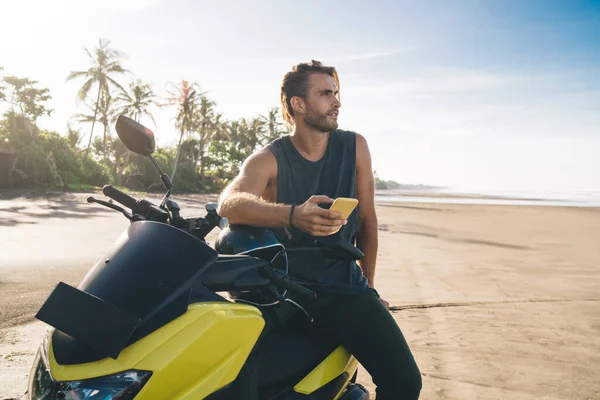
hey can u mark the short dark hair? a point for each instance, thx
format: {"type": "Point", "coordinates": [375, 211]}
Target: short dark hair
{"type": "Point", "coordinates": [295, 83]}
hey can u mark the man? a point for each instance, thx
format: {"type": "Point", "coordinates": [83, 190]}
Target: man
{"type": "Point", "coordinates": [281, 187]}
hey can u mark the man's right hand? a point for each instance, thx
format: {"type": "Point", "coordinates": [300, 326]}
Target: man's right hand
{"type": "Point", "coordinates": [317, 221]}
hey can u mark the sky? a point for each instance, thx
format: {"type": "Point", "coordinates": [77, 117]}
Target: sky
{"type": "Point", "coordinates": [473, 95]}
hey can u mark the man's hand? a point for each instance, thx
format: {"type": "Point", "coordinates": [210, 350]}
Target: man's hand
{"type": "Point", "coordinates": [385, 303]}
{"type": "Point", "coordinates": [317, 221]}
{"type": "Point", "coordinates": [381, 299]}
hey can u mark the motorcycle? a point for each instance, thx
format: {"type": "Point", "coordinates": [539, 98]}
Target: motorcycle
{"type": "Point", "coordinates": [148, 320]}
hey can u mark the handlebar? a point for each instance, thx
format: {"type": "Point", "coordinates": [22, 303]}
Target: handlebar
{"type": "Point", "coordinates": [143, 208]}
{"type": "Point", "coordinates": [283, 281]}
{"type": "Point", "coordinates": [300, 290]}
{"type": "Point", "coordinates": [119, 196]}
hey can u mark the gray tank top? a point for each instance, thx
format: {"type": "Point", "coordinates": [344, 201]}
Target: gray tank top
{"type": "Point", "coordinates": [298, 179]}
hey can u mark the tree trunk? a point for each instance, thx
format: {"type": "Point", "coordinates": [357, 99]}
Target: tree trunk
{"type": "Point", "coordinates": [94, 121]}
{"type": "Point", "coordinates": [201, 154]}
{"type": "Point", "coordinates": [104, 146]}
{"type": "Point", "coordinates": [104, 134]}
{"type": "Point", "coordinates": [125, 163]}
{"type": "Point", "coordinates": [10, 173]}
{"type": "Point", "coordinates": [177, 156]}
{"type": "Point", "coordinates": [122, 171]}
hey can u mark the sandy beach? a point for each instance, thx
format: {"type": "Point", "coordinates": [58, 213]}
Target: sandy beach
{"type": "Point", "coordinates": [496, 302]}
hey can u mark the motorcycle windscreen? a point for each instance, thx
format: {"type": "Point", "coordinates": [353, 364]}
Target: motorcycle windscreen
{"type": "Point", "coordinates": [150, 265]}
{"type": "Point", "coordinates": [148, 273]}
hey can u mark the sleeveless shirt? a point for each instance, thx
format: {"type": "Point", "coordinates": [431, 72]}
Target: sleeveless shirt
{"type": "Point", "coordinates": [298, 179]}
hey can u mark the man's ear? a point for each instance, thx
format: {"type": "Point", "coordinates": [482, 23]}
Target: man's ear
{"type": "Point", "coordinates": [297, 105]}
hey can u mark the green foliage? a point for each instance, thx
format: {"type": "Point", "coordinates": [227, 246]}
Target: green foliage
{"type": "Point", "coordinates": [28, 98]}
{"type": "Point", "coordinates": [82, 187]}
{"type": "Point", "coordinates": [73, 137]}
{"type": "Point", "coordinates": [41, 160]}
{"type": "Point", "coordinates": [141, 175]}
{"type": "Point", "coordinates": [93, 172]}
{"type": "Point", "coordinates": [207, 157]}
{"type": "Point", "coordinates": [381, 184]}
{"type": "Point", "coordinates": [2, 95]}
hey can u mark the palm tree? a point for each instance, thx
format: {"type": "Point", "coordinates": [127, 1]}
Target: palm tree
{"type": "Point", "coordinates": [137, 101]}
{"type": "Point", "coordinates": [105, 62]}
{"type": "Point", "coordinates": [108, 114]}
{"type": "Point", "coordinates": [220, 127]}
{"type": "Point", "coordinates": [104, 113]}
{"type": "Point", "coordinates": [185, 97]}
{"type": "Point", "coordinates": [275, 127]}
{"type": "Point", "coordinates": [251, 132]}
{"type": "Point", "coordinates": [234, 142]}
{"type": "Point", "coordinates": [206, 128]}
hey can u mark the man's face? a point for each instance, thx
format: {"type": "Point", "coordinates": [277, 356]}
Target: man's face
{"type": "Point", "coordinates": [322, 103]}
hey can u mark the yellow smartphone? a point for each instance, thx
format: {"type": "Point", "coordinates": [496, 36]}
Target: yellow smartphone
{"type": "Point", "coordinates": [344, 205]}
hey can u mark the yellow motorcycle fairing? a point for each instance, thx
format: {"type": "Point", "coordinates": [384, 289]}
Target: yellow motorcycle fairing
{"type": "Point", "coordinates": [192, 356]}
{"type": "Point", "coordinates": [338, 362]}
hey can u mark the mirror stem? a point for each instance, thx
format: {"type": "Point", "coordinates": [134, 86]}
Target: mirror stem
{"type": "Point", "coordinates": [164, 178]}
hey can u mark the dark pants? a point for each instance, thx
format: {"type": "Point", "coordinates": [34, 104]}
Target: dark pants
{"type": "Point", "coordinates": [367, 330]}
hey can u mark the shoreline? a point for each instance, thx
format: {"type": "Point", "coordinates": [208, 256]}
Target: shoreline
{"type": "Point", "coordinates": [590, 199]}
{"type": "Point", "coordinates": [424, 196]}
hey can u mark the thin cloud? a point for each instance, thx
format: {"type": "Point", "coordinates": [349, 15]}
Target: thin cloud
{"type": "Point", "coordinates": [373, 55]}
{"type": "Point", "coordinates": [436, 83]}
{"type": "Point", "coordinates": [335, 59]}
{"type": "Point", "coordinates": [69, 9]}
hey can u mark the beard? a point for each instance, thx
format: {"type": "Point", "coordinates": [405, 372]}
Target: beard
{"type": "Point", "coordinates": [319, 121]}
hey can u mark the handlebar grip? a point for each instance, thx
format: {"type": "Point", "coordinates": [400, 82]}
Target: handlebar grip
{"type": "Point", "coordinates": [299, 290]}
{"type": "Point", "coordinates": [284, 281]}
{"type": "Point", "coordinates": [119, 196]}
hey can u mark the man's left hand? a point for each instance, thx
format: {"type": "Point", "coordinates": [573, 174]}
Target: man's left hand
{"type": "Point", "coordinates": [385, 303]}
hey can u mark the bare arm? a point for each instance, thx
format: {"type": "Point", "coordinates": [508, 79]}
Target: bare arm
{"type": "Point", "coordinates": [367, 234]}
{"type": "Point", "coordinates": [242, 202]}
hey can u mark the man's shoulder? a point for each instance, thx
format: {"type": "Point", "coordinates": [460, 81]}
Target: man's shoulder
{"type": "Point", "coordinates": [276, 142]}
{"type": "Point", "coordinates": [344, 133]}
{"type": "Point", "coordinates": [350, 136]}
{"type": "Point", "coordinates": [261, 159]}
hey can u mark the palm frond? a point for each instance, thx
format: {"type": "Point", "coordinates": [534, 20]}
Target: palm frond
{"type": "Point", "coordinates": [85, 89]}
{"type": "Point", "coordinates": [117, 84]}
{"type": "Point", "coordinates": [89, 54]}
{"type": "Point", "coordinates": [76, 74]}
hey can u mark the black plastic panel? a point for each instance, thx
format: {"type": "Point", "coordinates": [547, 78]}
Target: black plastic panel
{"type": "Point", "coordinates": [88, 319]}
{"type": "Point", "coordinates": [235, 273]}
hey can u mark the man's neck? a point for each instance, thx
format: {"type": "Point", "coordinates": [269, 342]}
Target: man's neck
{"type": "Point", "coordinates": [309, 142]}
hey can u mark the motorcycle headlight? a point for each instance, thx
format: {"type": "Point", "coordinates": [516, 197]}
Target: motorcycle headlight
{"type": "Point", "coordinates": [41, 383]}
{"type": "Point", "coordinates": [120, 386]}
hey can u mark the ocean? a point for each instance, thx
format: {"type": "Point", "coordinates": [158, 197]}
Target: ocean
{"type": "Point", "coordinates": [572, 198]}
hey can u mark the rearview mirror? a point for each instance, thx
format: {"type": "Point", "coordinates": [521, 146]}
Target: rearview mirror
{"type": "Point", "coordinates": [135, 136]}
